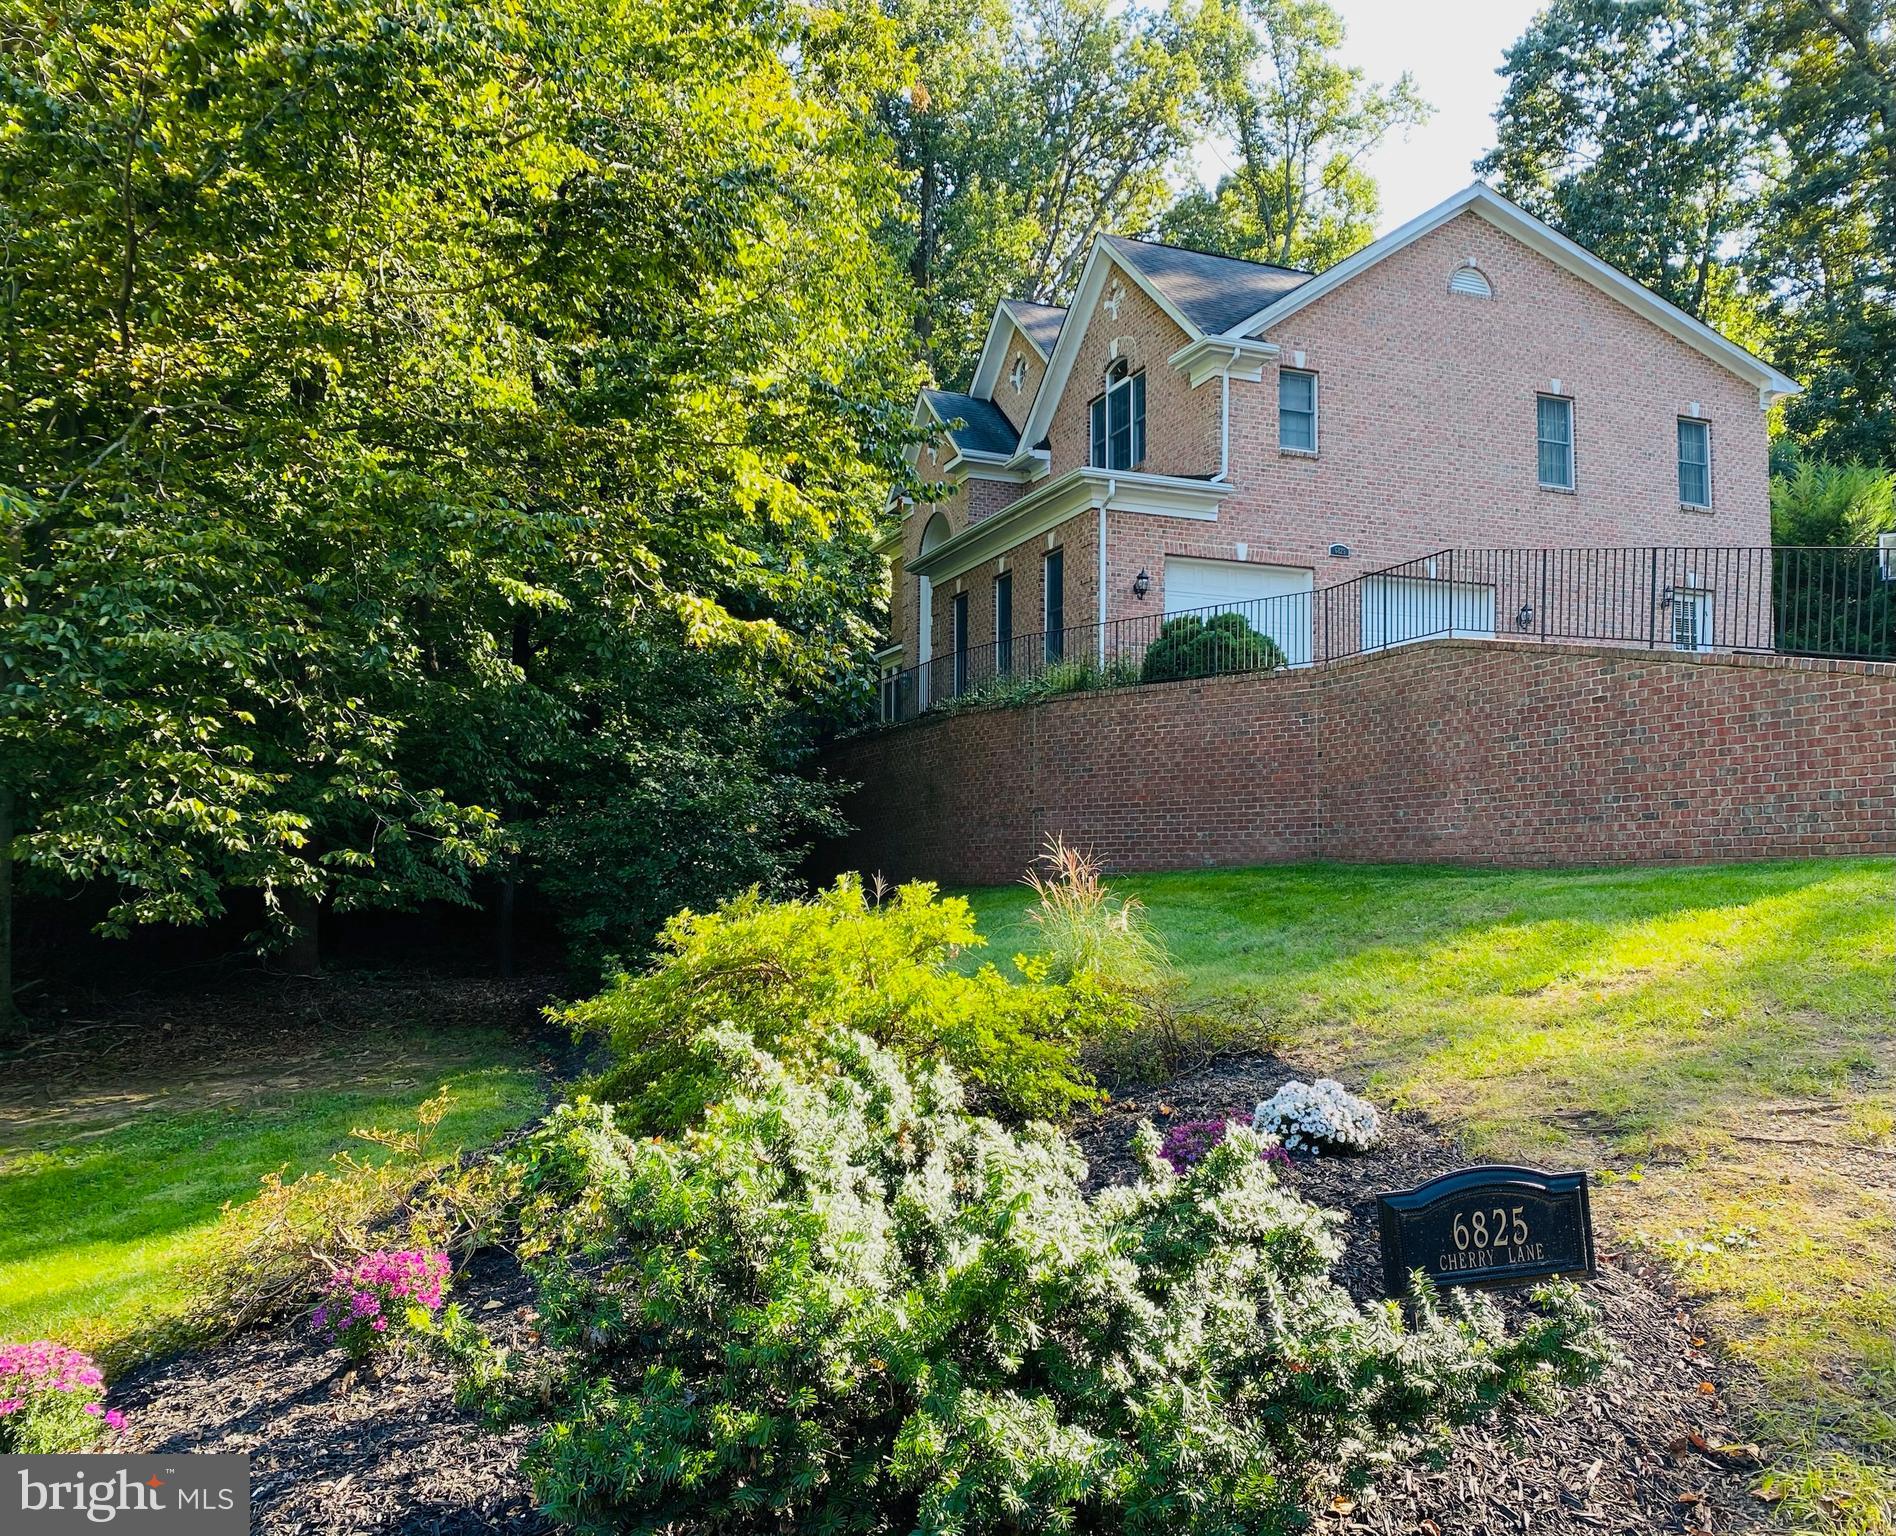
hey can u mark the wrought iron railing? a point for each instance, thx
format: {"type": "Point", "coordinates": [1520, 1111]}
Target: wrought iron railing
{"type": "Point", "coordinates": [1806, 601]}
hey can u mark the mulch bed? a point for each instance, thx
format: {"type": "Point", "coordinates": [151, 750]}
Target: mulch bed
{"type": "Point", "coordinates": [394, 1455]}
{"type": "Point", "coordinates": [1619, 1456]}
{"type": "Point", "coordinates": [331, 1455]}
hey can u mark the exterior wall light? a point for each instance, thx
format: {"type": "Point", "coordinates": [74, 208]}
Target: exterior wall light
{"type": "Point", "coordinates": [1141, 584]}
{"type": "Point", "coordinates": [1524, 620]}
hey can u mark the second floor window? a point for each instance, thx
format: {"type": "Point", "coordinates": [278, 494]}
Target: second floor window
{"type": "Point", "coordinates": [1119, 421]}
{"type": "Point", "coordinates": [1555, 428]}
{"type": "Point", "coordinates": [1297, 411]}
{"type": "Point", "coordinates": [1695, 463]}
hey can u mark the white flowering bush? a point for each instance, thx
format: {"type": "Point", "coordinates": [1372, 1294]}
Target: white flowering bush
{"type": "Point", "coordinates": [842, 1304]}
{"type": "Point", "coordinates": [1323, 1116]}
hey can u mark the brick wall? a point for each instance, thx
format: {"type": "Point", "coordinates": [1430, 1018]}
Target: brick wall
{"type": "Point", "coordinates": [1451, 751]}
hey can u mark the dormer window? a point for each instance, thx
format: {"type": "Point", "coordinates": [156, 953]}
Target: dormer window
{"type": "Point", "coordinates": [1470, 281]}
{"type": "Point", "coordinates": [1017, 375]}
{"type": "Point", "coordinates": [1119, 420]}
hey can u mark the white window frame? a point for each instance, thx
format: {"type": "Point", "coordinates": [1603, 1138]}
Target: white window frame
{"type": "Point", "coordinates": [1697, 602]}
{"type": "Point", "coordinates": [1099, 419]}
{"type": "Point", "coordinates": [1573, 473]}
{"type": "Point", "coordinates": [1316, 412]}
{"type": "Point", "coordinates": [1705, 428]}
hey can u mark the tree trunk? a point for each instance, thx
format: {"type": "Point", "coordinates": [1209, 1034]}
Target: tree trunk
{"type": "Point", "coordinates": [12, 1025]}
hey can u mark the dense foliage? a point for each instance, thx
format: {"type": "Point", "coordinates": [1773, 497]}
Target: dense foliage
{"type": "Point", "coordinates": [1739, 158]}
{"type": "Point", "coordinates": [792, 974]}
{"type": "Point", "coordinates": [436, 437]}
{"type": "Point", "coordinates": [844, 1304]}
{"type": "Point", "coordinates": [1190, 646]}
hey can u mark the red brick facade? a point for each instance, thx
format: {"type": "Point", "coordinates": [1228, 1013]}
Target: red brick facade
{"type": "Point", "coordinates": [1426, 424]}
{"type": "Point", "coordinates": [1454, 751]}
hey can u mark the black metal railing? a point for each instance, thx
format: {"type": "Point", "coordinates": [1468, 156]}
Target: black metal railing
{"type": "Point", "coordinates": [1806, 601]}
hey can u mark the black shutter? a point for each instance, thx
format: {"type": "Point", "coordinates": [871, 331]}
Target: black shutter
{"type": "Point", "coordinates": [1004, 621]}
{"type": "Point", "coordinates": [1056, 604]}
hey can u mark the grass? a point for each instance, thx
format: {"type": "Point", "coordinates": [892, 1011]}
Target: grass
{"type": "Point", "coordinates": [1720, 1041]}
{"type": "Point", "coordinates": [100, 1224]}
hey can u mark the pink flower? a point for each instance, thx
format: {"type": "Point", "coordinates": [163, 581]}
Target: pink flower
{"type": "Point", "coordinates": [115, 1420]}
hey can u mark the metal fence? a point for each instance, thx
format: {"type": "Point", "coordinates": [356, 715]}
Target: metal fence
{"type": "Point", "coordinates": [1805, 601]}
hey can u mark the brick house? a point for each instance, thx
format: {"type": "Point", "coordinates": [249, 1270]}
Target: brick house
{"type": "Point", "coordinates": [1199, 432]}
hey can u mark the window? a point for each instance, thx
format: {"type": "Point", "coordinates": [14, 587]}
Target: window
{"type": "Point", "coordinates": [1055, 604]}
{"type": "Point", "coordinates": [961, 642]}
{"type": "Point", "coordinates": [1555, 416]}
{"type": "Point", "coordinates": [1004, 621]}
{"type": "Point", "coordinates": [1297, 411]}
{"type": "Point", "coordinates": [1695, 463]}
{"type": "Point", "coordinates": [1691, 621]}
{"type": "Point", "coordinates": [1119, 421]}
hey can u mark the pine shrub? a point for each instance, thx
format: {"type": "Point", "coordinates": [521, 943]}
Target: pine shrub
{"type": "Point", "coordinates": [843, 1304]}
{"type": "Point", "coordinates": [790, 974]}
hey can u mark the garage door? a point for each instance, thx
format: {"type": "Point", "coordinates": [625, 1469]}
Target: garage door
{"type": "Point", "coordinates": [1274, 599]}
{"type": "Point", "coordinates": [1400, 608]}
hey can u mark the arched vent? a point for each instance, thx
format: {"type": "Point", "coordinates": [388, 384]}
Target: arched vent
{"type": "Point", "coordinates": [1468, 279]}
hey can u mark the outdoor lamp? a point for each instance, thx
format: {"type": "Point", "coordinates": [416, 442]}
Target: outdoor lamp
{"type": "Point", "coordinates": [1141, 584]}
{"type": "Point", "coordinates": [1525, 618]}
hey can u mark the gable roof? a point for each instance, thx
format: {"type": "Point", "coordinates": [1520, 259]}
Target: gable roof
{"type": "Point", "coordinates": [1213, 292]}
{"type": "Point", "coordinates": [1039, 323]}
{"type": "Point", "coordinates": [984, 429]}
{"type": "Point", "coordinates": [1486, 203]}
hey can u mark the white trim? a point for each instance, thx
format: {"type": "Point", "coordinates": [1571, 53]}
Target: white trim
{"type": "Point", "coordinates": [1316, 411]}
{"type": "Point", "coordinates": [1216, 356]}
{"type": "Point", "coordinates": [1489, 204]}
{"type": "Point", "coordinates": [1079, 317]}
{"type": "Point", "coordinates": [987, 367]}
{"type": "Point", "coordinates": [1078, 491]}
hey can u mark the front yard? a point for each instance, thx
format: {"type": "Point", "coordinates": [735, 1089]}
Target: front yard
{"type": "Point", "coordinates": [1717, 1042]}
{"type": "Point", "coordinates": [122, 1135]}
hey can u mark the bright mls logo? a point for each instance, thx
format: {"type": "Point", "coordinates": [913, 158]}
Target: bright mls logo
{"type": "Point", "coordinates": [149, 1495]}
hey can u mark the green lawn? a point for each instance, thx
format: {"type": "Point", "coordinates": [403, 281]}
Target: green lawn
{"type": "Point", "coordinates": [1721, 1042]}
{"type": "Point", "coordinates": [100, 1220]}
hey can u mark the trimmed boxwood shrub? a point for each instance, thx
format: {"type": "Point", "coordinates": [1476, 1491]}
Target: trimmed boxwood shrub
{"type": "Point", "coordinates": [843, 1304]}
{"type": "Point", "coordinates": [1189, 646]}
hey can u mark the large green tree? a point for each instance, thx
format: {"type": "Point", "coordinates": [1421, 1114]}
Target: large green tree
{"type": "Point", "coordinates": [1631, 125]}
{"type": "Point", "coordinates": [434, 435]}
{"type": "Point", "coordinates": [1301, 122]}
{"type": "Point", "coordinates": [1029, 131]}
{"type": "Point", "coordinates": [1738, 157]}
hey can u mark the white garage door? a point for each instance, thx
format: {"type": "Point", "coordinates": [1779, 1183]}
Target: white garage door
{"type": "Point", "coordinates": [1399, 608]}
{"type": "Point", "coordinates": [1274, 599]}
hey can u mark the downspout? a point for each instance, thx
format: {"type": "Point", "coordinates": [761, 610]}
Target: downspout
{"type": "Point", "coordinates": [1224, 418]}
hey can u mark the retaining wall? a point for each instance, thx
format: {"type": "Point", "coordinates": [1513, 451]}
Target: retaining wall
{"type": "Point", "coordinates": [1454, 751]}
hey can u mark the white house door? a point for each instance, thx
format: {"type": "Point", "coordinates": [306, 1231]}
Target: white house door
{"type": "Point", "coordinates": [1274, 599]}
{"type": "Point", "coordinates": [1397, 609]}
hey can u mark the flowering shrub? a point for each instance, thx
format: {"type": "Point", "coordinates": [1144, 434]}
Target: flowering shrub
{"type": "Point", "coordinates": [367, 1303]}
{"type": "Point", "coordinates": [50, 1400]}
{"type": "Point", "coordinates": [841, 1303]}
{"type": "Point", "coordinates": [1318, 1117]}
{"type": "Point", "coordinates": [1187, 1142]}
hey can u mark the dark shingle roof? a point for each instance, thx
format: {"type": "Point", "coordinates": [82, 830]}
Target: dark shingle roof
{"type": "Point", "coordinates": [1040, 322]}
{"type": "Point", "coordinates": [1213, 292]}
{"type": "Point", "coordinates": [986, 429]}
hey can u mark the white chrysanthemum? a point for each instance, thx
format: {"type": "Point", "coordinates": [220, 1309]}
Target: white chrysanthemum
{"type": "Point", "coordinates": [1309, 1117]}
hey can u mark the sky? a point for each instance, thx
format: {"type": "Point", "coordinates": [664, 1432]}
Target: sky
{"type": "Point", "coordinates": [1452, 48]}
